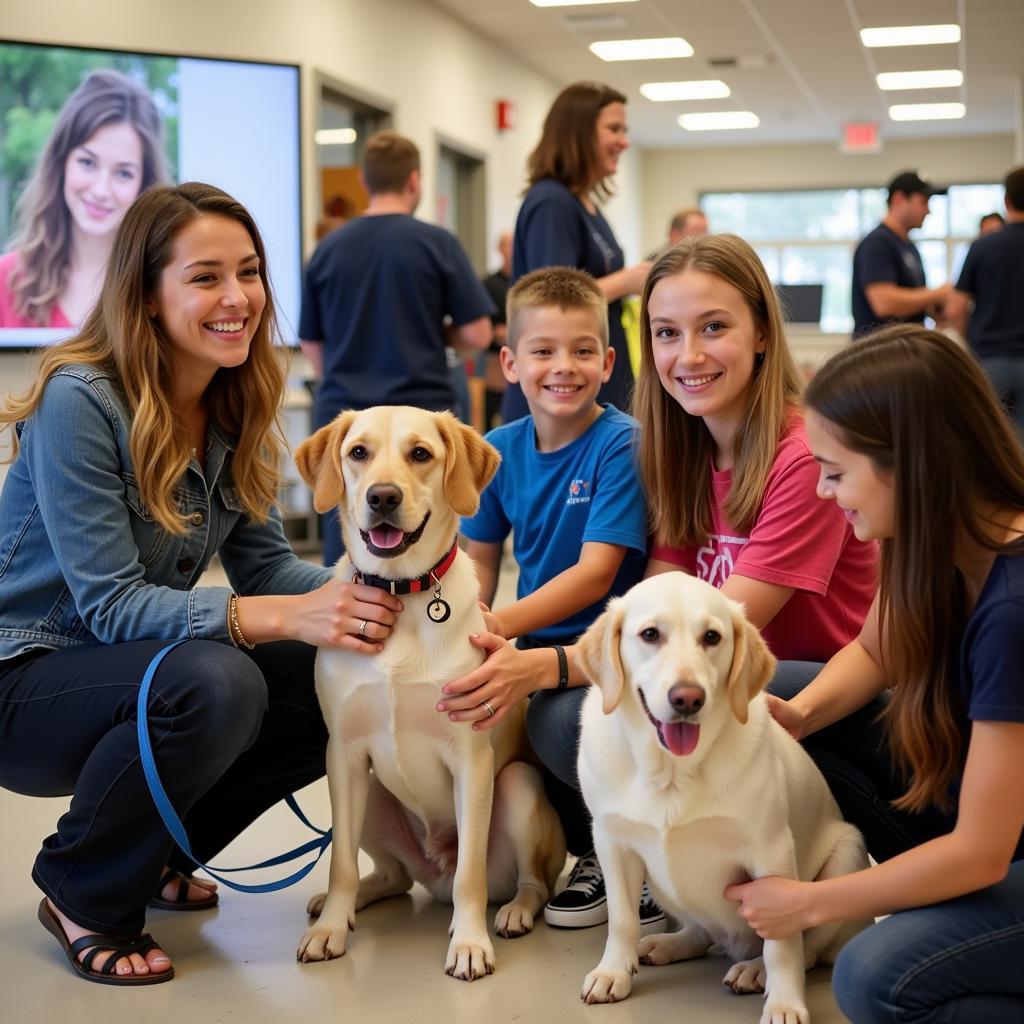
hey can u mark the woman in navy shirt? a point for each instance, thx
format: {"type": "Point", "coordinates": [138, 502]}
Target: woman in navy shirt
{"type": "Point", "coordinates": [916, 450]}
{"type": "Point", "coordinates": [559, 224]}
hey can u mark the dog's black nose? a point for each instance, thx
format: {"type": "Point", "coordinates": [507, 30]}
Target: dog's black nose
{"type": "Point", "coordinates": [687, 699]}
{"type": "Point", "coordinates": [383, 498]}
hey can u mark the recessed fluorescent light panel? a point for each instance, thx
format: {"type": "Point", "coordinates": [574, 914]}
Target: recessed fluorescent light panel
{"type": "Point", "coordinates": [721, 120]}
{"type": "Point", "coordinates": [927, 111]}
{"type": "Point", "coordinates": [577, 3]}
{"type": "Point", "coordinates": [335, 136]}
{"type": "Point", "coordinates": [893, 80]}
{"type": "Point", "coordinates": [642, 49]}
{"type": "Point", "coordinates": [910, 35]}
{"type": "Point", "coordinates": [661, 92]}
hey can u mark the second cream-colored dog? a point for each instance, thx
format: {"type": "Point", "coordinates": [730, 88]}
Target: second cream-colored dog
{"type": "Point", "coordinates": [693, 785]}
{"type": "Point", "coordinates": [411, 788]}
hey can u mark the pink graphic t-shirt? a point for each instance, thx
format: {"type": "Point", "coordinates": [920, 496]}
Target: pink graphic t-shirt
{"type": "Point", "coordinates": [798, 541]}
{"type": "Point", "coordinates": [8, 316]}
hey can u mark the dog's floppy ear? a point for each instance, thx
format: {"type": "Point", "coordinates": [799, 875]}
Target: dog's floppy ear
{"type": "Point", "coordinates": [752, 665]}
{"type": "Point", "coordinates": [470, 463]}
{"type": "Point", "coordinates": [599, 658]}
{"type": "Point", "coordinates": [319, 461]}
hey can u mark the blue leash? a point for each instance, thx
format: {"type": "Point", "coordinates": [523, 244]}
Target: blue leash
{"type": "Point", "coordinates": [173, 823]}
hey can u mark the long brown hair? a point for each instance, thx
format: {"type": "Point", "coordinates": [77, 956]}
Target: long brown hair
{"type": "Point", "coordinates": [675, 447]}
{"type": "Point", "coordinates": [120, 337]}
{"type": "Point", "coordinates": [924, 412]}
{"type": "Point", "coordinates": [43, 236]}
{"type": "Point", "coordinates": [567, 150]}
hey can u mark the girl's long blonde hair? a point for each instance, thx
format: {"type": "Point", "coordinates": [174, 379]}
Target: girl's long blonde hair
{"type": "Point", "coordinates": [119, 336]}
{"type": "Point", "coordinates": [925, 413]}
{"type": "Point", "coordinates": [42, 238]}
{"type": "Point", "coordinates": [676, 448]}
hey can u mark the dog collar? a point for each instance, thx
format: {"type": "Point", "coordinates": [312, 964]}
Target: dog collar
{"type": "Point", "coordinates": [411, 586]}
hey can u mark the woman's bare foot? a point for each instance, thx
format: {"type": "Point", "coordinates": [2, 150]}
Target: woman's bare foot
{"type": "Point", "coordinates": [156, 961]}
{"type": "Point", "coordinates": [198, 888]}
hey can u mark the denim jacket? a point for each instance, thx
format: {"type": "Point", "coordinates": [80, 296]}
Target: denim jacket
{"type": "Point", "coordinates": [82, 560]}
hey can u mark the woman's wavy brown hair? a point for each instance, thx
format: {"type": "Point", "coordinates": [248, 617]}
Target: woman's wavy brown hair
{"type": "Point", "coordinates": [676, 448]}
{"type": "Point", "coordinates": [43, 237]}
{"type": "Point", "coordinates": [924, 412]}
{"type": "Point", "coordinates": [567, 150]}
{"type": "Point", "coordinates": [119, 336]}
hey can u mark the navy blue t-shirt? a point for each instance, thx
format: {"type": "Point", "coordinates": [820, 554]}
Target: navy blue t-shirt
{"type": "Point", "coordinates": [993, 273]}
{"type": "Point", "coordinates": [992, 652]}
{"type": "Point", "coordinates": [882, 256]}
{"type": "Point", "coordinates": [376, 293]}
{"type": "Point", "coordinates": [554, 229]}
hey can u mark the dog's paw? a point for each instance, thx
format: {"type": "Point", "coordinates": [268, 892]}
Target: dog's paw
{"type": "Point", "coordinates": [316, 904]}
{"type": "Point", "coordinates": [746, 977]}
{"type": "Point", "coordinates": [469, 959]}
{"type": "Point", "coordinates": [668, 948]}
{"type": "Point", "coordinates": [602, 985]}
{"type": "Point", "coordinates": [784, 1011]}
{"type": "Point", "coordinates": [513, 920]}
{"type": "Point", "coordinates": [322, 943]}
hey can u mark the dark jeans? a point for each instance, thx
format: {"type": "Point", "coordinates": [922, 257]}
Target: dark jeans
{"type": "Point", "coordinates": [233, 732]}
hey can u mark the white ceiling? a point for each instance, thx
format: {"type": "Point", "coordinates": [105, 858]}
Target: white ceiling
{"type": "Point", "coordinates": [801, 66]}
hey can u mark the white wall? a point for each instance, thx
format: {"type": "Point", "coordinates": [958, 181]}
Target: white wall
{"type": "Point", "coordinates": [673, 178]}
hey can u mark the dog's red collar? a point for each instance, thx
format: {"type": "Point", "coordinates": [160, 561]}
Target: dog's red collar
{"type": "Point", "coordinates": [414, 586]}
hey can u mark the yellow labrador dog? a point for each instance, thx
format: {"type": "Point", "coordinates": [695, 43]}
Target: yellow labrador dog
{"type": "Point", "coordinates": [413, 789]}
{"type": "Point", "coordinates": [693, 785]}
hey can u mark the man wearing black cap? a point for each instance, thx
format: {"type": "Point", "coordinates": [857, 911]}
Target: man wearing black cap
{"type": "Point", "coordinates": [888, 274]}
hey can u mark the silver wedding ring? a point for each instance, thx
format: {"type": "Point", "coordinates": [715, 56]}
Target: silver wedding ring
{"type": "Point", "coordinates": [362, 627]}
{"type": "Point", "coordinates": [490, 710]}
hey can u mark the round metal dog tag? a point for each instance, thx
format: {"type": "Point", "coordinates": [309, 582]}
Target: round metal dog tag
{"type": "Point", "coordinates": [438, 610]}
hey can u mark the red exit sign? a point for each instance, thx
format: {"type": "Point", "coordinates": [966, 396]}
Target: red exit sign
{"type": "Point", "coordinates": [861, 137]}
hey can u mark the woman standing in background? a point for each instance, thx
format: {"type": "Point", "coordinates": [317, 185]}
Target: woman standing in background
{"type": "Point", "coordinates": [559, 223]}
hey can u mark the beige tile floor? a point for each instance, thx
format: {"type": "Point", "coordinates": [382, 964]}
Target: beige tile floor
{"type": "Point", "coordinates": [236, 964]}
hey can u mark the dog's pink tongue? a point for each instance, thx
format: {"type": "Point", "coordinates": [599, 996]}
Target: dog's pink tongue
{"type": "Point", "coordinates": [680, 737]}
{"type": "Point", "coordinates": [385, 536]}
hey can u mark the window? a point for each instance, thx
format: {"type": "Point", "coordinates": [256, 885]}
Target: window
{"type": "Point", "coordinates": [808, 237]}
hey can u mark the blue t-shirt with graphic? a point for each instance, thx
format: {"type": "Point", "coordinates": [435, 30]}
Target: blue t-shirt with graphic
{"type": "Point", "coordinates": [555, 502]}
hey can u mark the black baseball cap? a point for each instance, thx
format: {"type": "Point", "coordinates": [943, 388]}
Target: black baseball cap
{"type": "Point", "coordinates": [909, 182]}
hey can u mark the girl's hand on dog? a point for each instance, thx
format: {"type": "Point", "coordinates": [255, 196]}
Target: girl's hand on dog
{"type": "Point", "coordinates": [773, 906]}
{"type": "Point", "coordinates": [789, 717]}
{"type": "Point", "coordinates": [334, 615]}
{"type": "Point", "coordinates": [502, 681]}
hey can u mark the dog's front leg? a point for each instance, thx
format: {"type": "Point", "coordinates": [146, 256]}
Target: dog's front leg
{"type": "Point", "coordinates": [349, 782]}
{"type": "Point", "coordinates": [470, 953]}
{"type": "Point", "coordinates": [611, 980]}
{"type": "Point", "coordinates": [784, 966]}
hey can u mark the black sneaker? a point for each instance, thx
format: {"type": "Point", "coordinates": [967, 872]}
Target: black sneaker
{"type": "Point", "coordinates": [652, 917]}
{"type": "Point", "coordinates": [582, 903]}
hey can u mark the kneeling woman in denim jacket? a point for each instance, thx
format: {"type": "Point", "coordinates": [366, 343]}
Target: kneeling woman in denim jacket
{"type": "Point", "coordinates": [148, 444]}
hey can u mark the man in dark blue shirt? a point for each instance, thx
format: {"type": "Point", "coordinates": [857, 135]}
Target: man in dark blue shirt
{"type": "Point", "coordinates": [381, 299]}
{"type": "Point", "coordinates": [993, 276]}
{"type": "Point", "coordinates": [888, 274]}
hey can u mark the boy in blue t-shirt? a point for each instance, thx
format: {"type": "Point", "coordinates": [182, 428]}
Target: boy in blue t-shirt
{"type": "Point", "coordinates": [569, 491]}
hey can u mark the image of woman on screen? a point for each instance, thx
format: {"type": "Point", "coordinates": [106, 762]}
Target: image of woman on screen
{"type": "Point", "coordinates": [106, 147]}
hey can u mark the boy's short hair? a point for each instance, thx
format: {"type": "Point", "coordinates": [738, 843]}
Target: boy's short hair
{"type": "Point", "coordinates": [388, 160]}
{"type": "Point", "coordinates": [563, 287]}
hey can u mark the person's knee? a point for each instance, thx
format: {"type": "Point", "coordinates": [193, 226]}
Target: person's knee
{"type": "Point", "coordinates": [857, 982]}
{"type": "Point", "coordinates": [219, 689]}
{"type": "Point", "coordinates": [553, 727]}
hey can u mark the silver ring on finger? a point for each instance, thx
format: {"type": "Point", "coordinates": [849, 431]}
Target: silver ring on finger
{"type": "Point", "coordinates": [490, 710]}
{"type": "Point", "coordinates": [362, 627]}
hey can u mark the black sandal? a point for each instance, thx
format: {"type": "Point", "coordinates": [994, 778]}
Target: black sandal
{"type": "Point", "coordinates": [97, 944]}
{"type": "Point", "coordinates": [181, 900]}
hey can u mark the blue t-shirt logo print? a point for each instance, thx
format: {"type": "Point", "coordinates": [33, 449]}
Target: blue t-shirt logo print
{"type": "Point", "coordinates": [579, 492]}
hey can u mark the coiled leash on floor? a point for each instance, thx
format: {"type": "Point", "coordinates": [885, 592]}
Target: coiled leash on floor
{"type": "Point", "coordinates": [173, 823]}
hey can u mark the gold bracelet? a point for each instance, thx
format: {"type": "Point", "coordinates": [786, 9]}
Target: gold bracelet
{"type": "Point", "coordinates": [235, 629]}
